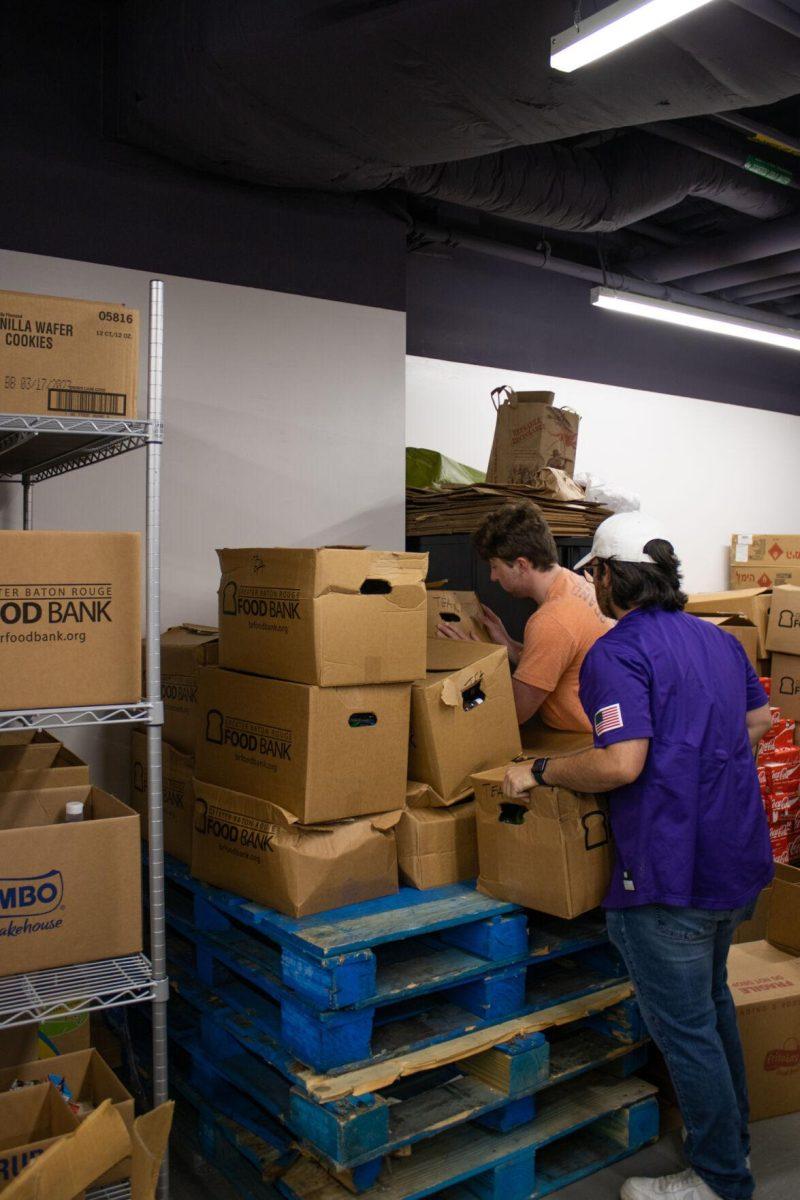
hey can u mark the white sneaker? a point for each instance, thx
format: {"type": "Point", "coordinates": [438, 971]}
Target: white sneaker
{"type": "Point", "coordinates": [686, 1185]}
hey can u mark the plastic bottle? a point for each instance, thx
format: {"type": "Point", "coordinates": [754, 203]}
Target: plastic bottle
{"type": "Point", "coordinates": [74, 811]}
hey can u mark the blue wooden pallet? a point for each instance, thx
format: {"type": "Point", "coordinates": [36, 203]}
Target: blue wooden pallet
{"type": "Point", "coordinates": [357, 1134]}
{"type": "Point", "coordinates": [580, 1127]}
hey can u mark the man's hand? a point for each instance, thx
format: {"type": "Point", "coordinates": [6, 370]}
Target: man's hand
{"type": "Point", "coordinates": [495, 627]}
{"type": "Point", "coordinates": [518, 780]}
{"type": "Point", "coordinates": [447, 629]}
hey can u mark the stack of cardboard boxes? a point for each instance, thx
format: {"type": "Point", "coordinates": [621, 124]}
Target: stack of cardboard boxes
{"type": "Point", "coordinates": [764, 560]}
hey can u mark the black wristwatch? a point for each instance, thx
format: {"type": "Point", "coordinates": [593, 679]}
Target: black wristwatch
{"type": "Point", "coordinates": [538, 769]}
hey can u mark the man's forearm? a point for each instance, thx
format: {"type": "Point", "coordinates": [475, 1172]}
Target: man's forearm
{"type": "Point", "coordinates": [589, 770]}
{"type": "Point", "coordinates": [514, 651]}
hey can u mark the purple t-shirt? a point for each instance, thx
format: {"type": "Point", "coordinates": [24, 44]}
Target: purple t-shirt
{"type": "Point", "coordinates": [691, 831]}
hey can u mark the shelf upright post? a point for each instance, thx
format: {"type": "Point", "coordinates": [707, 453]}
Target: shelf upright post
{"type": "Point", "coordinates": [27, 504]}
{"type": "Point", "coordinates": [153, 675]}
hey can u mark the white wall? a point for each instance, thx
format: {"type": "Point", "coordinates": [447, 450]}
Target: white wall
{"type": "Point", "coordinates": [284, 426]}
{"type": "Point", "coordinates": [706, 470]}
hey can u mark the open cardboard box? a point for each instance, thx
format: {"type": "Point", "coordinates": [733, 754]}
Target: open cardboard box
{"type": "Point", "coordinates": [764, 978]}
{"type": "Point", "coordinates": [28, 750]}
{"type": "Point", "coordinates": [66, 770]}
{"type": "Point", "coordinates": [462, 610]}
{"type": "Point", "coordinates": [184, 650]}
{"type": "Point", "coordinates": [88, 1077]}
{"type": "Point", "coordinates": [752, 603]}
{"type": "Point", "coordinates": [739, 627]}
{"type": "Point", "coordinates": [76, 1159]}
{"type": "Point", "coordinates": [436, 840]}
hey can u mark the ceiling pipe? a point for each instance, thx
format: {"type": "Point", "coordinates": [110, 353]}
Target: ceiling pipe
{"type": "Point", "coordinates": [791, 310]}
{"type": "Point", "coordinates": [774, 12]}
{"type": "Point", "coordinates": [543, 260]}
{"type": "Point", "coordinates": [759, 133]}
{"type": "Point", "coordinates": [706, 144]}
{"type": "Point", "coordinates": [756, 292]}
{"type": "Point", "coordinates": [729, 277]}
{"type": "Point", "coordinates": [790, 288]}
{"type": "Point", "coordinates": [774, 237]}
{"type": "Point", "coordinates": [658, 233]}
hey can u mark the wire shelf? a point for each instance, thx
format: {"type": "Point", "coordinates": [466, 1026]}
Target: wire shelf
{"type": "Point", "coordinates": [66, 718]}
{"type": "Point", "coordinates": [39, 446]}
{"type": "Point", "coordinates": [81, 988]}
{"type": "Point", "coordinates": [115, 1191]}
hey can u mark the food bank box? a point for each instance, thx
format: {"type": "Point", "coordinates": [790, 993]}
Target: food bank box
{"type": "Point", "coordinates": [176, 781]}
{"type": "Point", "coordinates": [785, 685]}
{"type": "Point", "coordinates": [753, 603]}
{"type": "Point", "coordinates": [259, 851]}
{"type": "Point", "coordinates": [764, 979]}
{"type": "Point", "coordinates": [31, 1119]}
{"type": "Point", "coordinates": [321, 753]}
{"type": "Point", "coordinates": [69, 619]}
{"type": "Point", "coordinates": [463, 717]}
{"type": "Point", "coordinates": [436, 842]}
{"type": "Point", "coordinates": [89, 1079]}
{"type": "Point", "coordinates": [461, 610]}
{"type": "Point", "coordinates": [783, 632]}
{"type": "Point", "coordinates": [68, 892]}
{"type": "Point", "coordinates": [184, 650]}
{"type": "Point", "coordinates": [75, 358]}
{"type": "Point", "coordinates": [550, 850]}
{"type": "Point", "coordinates": [332, 617]}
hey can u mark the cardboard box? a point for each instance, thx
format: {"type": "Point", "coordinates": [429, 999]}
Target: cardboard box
{"type": "Point", "coordinates": [783, 632]}
{"type": "Point", "coordinates": [436, 843]}
{"type": "Point", "coordinates": [37, 752]}
{"type": "Point", "coordinates": [530, 433]}
{"type": "Point", "coordinates": [30, 1120]}
{"type": "Point", "coordinates": [539, 741]}
{"type": "Point", "coordinates": [463, 717]}
{"type": "Point", "coordinates": [462, 609]}
{"type": "Point", "coordinates": [739, 627]}
{"type": "Point", "coordinates": [69, 619]}
{"type": "Point", "coordinates": [753, 603]}
{"type": "Point", "coordinates": [66, 770]}
{"type": "Point", "coordinates": [764, 978]}
{"type": "Point", "coordinates": [333, 617]}
{"type": "Point", "coordinates": [69, 892]}
{"type": "Point", "coordinates": [17, 737]}
{"type": "Point", "coordinates": [78, 1159]}
{"type": "Point", "coordinates": [77, 358]}
{"type": "Point", "coordinates": [19, 1044]}
{"type": "Point", "coordinates": [762, 575]}
{"type": "Point", "coordinates": [88, 1078]}
{"type": "Point", "coordinates": [176, 776]}
{"type": "Point", "coordinates": [785, 688]}
{"type": "Point", "coordinates": [321, 753]}
{"type": "Point", "coordinates": [550, 851]}
{"type": "Point", "coordinates": [259, 851]}
{"type": "Point", "coordinates": [184, 650]}
{"type": "Point", "coordinates": [768, 549]}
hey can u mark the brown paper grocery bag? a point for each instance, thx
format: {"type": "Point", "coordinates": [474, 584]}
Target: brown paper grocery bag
{"type": "Point", "coordinates": [530, 433]}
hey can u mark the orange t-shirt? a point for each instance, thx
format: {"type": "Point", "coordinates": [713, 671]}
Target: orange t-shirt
{"type": "Point", "coordinates": [558, 636]}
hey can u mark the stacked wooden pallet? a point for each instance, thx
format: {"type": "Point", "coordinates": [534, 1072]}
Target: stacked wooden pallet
{"type": "Point", "coordinates": [400, 1047]}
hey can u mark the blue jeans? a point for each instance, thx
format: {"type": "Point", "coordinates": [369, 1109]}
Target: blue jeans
{"type": "Point", "coordinates": [677, 959]}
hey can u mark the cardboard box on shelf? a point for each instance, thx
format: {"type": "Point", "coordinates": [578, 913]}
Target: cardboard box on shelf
{"type": "Point", "coordinates": [461, 609]}
{"type": "Point", "coordinates": [258, 850]}
{"type": "Point", "coordinates": [176, 775]}
{"type": "Point", "coordinates": [37, 752]}
{"type": "Point", "coordinates": [89, 1079]}
{"type": "Point", "coordinates": [78, 1159]}
{"type": "Point", "coordinates": [17, 737]}
{"type": "Point", "coordinates": [550, 851]}
{"type": "Point", "coordinates": [783, 632]}
{"type": "Point", "coordinates": [71, 891]}
{"type": "Point", "coordinates": [751, 602]}
{"type": "Point", "coordinates": [530, 433]}
{"type": "Point", "coordinates": [184, 650]}
{"type": "Point", "coordinates": [66, 770]}
{"type": "Point", "coordinates": [785, 689]}
{"type": "Point", "coordinates": [762, 575]}
{"type": "Point", "coordinates": [321, 753]}
{"type": "Point", "coordinates": [31, 1119]}
{"type": "Point", "coordinates": [463, 717]}
{"type": "Point", "coordinates": [69, 619]}
{"type": "Point", "coordinates": [436, 842]}
{"type": "Point", "coordinates": [65, 357]}
{"type": "Point", "coordinates": [769, 549]}
{"type": "Point", "coordinates": [764, 978]}
{"type": "Point", "coordinates": [739, 627]}
{"type": "Point", "coordinates": [333, 617]}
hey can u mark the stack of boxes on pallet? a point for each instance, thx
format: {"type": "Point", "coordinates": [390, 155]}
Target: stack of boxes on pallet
{"type": "Point", "coordinates": [779, 753]}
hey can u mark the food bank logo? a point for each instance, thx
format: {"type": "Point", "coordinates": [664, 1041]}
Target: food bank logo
{"type": "Point", "coordinates": [281, 604]}
{"type": "Point", "coordinates": [55, 603]}
{"type": "Point", "coordinates": [270, 741]}
{"type": "Point", "coordinates": [232, 828]}
{"type": "Point", "coordinates": [788, 619]}
{"type": "Point", "coordinates": [786, 1059]}
{"type": "Point", "coordinates": [788, 686]}
{"type": "Point", "coordinates": [33, 896]}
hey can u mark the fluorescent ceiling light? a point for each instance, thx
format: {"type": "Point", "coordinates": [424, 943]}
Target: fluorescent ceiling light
{"type": "Point", "coordinates": [618, 25]}
{"type": "Point", "coordinates": [694, 318]}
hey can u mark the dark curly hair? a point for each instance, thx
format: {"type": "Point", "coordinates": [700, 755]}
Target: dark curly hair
{"type": "Point", "coordinates": [517, 530]}
{"type": "Point", "coordinates": [648, 585]}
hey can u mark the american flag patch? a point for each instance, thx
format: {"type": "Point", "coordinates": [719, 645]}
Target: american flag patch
{"type": "Point", "coordinates": [606, 719]}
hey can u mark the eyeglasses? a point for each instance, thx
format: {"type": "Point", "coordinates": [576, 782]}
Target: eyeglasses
{"type": "Point", "coordinates": [590, 568]}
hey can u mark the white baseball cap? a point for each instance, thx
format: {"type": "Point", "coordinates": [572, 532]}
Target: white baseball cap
{"type": "Point", "coordinates": [623, 537]}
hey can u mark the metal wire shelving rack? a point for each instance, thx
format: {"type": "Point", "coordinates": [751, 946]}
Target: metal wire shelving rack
{"type": "Point", "coordinates": [35, 448]}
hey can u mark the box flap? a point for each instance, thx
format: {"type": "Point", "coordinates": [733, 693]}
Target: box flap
{"type": "Point", "coordinates": [783, 922]}
{"type": "Point", "coordinates": [444, 654]}
{"type": "Point", "coordinates": [760, 974]}
{"type": "Point", "coordinates": [422, 795]}
{"type": "Point", "coordinates": [316, 572]}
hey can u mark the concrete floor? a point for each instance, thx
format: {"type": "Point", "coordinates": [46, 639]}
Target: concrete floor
{"type": "Point", "coordinates": [776, 1165]}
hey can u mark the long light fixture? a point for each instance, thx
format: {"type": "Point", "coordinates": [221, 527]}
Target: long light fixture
{"type": "Point", "coordinates": [614, 27]}
{"type": "Point", "coordinates": [694, 318]}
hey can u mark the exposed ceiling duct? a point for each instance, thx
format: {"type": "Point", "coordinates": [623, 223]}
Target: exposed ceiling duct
{"type": "Point", "coordinates": [778, 237]}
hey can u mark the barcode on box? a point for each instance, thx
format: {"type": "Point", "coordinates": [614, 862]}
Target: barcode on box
{"type": "Point", "coordinates": [73, 400]}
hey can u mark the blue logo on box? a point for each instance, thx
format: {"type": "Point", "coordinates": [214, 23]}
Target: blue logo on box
{"type": "Point", "coordinates": [31, 897]}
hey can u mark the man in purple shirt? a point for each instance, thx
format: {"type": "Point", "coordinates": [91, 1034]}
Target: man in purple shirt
{"type": "Point", "coordinates": [676, 710]}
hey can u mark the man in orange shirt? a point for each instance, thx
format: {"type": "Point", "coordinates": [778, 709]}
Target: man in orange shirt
{"type": "Point", "coordinates": [517, 542]}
